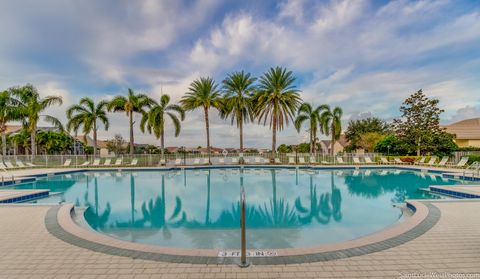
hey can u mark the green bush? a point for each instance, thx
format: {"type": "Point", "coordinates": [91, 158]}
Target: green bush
{"type": "Point", "coordinates": [473, 158]}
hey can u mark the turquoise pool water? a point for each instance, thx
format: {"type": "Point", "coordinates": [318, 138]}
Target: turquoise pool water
{"type": "Point", "coordinates": [200, 208]}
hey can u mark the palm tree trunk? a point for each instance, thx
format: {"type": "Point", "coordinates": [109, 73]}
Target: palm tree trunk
{"type": "Point", "coordinates": [333, 143]}
{"type": "Point", "coordinates": [94, 139]}
{"type": "Point", "coordinates": [162, 142]}
{"type": "Point", "coordinates": [4, 143]}
{"type": "Point", "coordinates": [33, 142]}
{"type": "Point", "coordinates": [131, 134]}
{"type": "Point", "coordinates": [274, 138]}
{"type": "Point", "coordinates": [311, 140]}
{"type": "Point", "coordinates": [314, 145]}
{"type": "Point", "coordinates": [207, 126]}
{"type": "Point", "coordinates": [241, 135]}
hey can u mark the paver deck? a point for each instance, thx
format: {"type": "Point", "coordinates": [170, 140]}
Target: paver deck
{"type": "Point", "coordinates": [28, 250]}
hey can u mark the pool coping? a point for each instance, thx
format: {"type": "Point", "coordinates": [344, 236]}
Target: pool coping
{"type": "Point", "coordinates": [60, 223]}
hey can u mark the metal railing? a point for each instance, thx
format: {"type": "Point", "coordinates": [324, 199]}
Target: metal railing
{"type": "Point", "coordinates": [176, 159]}
{"type": "Point", "coordinates": [473, 170]}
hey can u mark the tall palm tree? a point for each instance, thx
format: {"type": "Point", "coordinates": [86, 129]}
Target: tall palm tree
{"type": "Point", "coordinates": [10, 110]}
{"type": "Point", "coordinates": [277, 100]}
{"type": "Point", "coordinates": [154, 119]}
{"type": "Point", "coordinates": [130, 104]}
{"type": "Point", "coordinates": [239, 88]}
{"type": "Point", "coordinates": [86, 114]}
{"type": "Point", "coordinates": [203, 93]}
{"type": "Point", "coordinates": [307, 113]}
{"type": "Point", "coordinates": [331, 123]}
{"type": "Point", "coordinates": [32, 109]}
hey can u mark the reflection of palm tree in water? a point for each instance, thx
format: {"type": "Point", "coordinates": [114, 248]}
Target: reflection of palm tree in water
{"type": "Point", "coordinates": [96, 220]}
{"type": "Point", "coordinates": [279, 213]}
{"type": "Point", "coordinates": [154, 213]}
{"type": "Point", "coordinates": [322, 208]}
{"type": "Point", "coordinates": [207, 213]}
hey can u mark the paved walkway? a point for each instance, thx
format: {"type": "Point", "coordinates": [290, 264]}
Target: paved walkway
{"type": "Point", "coordinates": [28, 250]}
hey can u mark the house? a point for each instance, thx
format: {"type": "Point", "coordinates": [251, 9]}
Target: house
{"type": "Point", "coordinates": [339, 146]}
{"type": "Point", "coordinates": [467, 132]}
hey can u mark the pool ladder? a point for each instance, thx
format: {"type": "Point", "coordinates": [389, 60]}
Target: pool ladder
{"type": "Point", "coordinates": [473, 170]}
{"type": "Point", "coordinates": [6, 174]}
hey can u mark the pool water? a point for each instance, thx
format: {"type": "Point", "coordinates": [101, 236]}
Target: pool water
{"type": "Point", "coordinates": [200, 208]}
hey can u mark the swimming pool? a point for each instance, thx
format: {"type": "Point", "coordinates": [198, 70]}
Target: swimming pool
{"type": "Point", "coordinates": [199, 208]}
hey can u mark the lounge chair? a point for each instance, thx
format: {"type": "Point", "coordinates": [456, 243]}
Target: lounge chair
{"type": "Point", "coordinates": [86, 163]}
{"type": "Point", "coordinates": [162, 162]}
{"type": "Point", "coordinates": [31, 165]}
{"type": "Point", "coordinates": [205, 161]}
{"type": "Point", "coordinates": [443, 161]}
{"type": "Point", "coordinates": [291, 160]}
{"type": "Point", "coordinates": [178, 161]}
{"type": "Point", "coordinates": [432, 161]}
{"type": "Point", "coordinates": [96, 162]}
{"type": "Point", "coordinates": [196, 161]}
{"type": "Point", "coordinates": [421, 161]}
{"type": "Point", "coordinates": [20, 164]}
{"type": "Point", "coordinates": [134, 162]}
{"type": "Point", "coordinates": [385, 161]}
{"type": "Point", "coordinates": [246, 160]}
{"type": "Point", "coordinates": [460, 164]}
{"type": "Point", "coordinates": [65, 164]}
{"type": "Point", "coordinates": [107, 162]}
{"type": "Point", "coordinates": [356, 160]}
{"type": "Point", "coordinates": [277, 160]}
{"type": "Point", "coordinates": [398, 161]}
{"type": "Point", "coordinates": [301, 160]}
{"type": "Point", "coordinates": [368, 160]}
{"type": "Point", "coordinates": [118, 162]}
{"type": "Point", "coordinates": [257, 160]}
{"type": "Point", "coordinates": [221, 161]}
{"type": "Point", "coordinates": [313, 160]}
{"type": "Point", "coordinates": [234, 160]}
{"type": "Point", "coordinates": [340, 160]}
{"type": "Point", "coordinates": [266, 161]}
{"type": "Point", "coordinates": [9, 165]}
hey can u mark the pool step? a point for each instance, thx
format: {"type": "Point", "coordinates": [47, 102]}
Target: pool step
{"type": "Point", "coordinates": [14, 196]}
{"type": "Point", "coordinates": [461, 192]}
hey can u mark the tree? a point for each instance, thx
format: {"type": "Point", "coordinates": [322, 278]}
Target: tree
{"type": "Point", "coordinates": [32, 109]}
{"type": "Point", "coordinates": [369, 140]}
{"type": "Point", "coordinates": [277, 101]}
{"type": "Point", "coordinates": [10, 110]}
{"type": "Point", "coordinates": [307, 113]}
{"type": "Point", "coordinates": [331, 123]}
{"type": "Point", "coordinates": [154, 119]}
{"type": "Point", "coordinates": [130, 104]}
{"type": "Point", "coordinates": [420, 120]}
{"type": "Point", "coordinates": [54, 142]}
{"type": "Point", "coordinates": [203, 93]}
{"type": "Point", "coordinates": [357, 128]}
{"type": "Point", "coordinates": [116, 145]}
{"type": "Point", "coordinates": [86, 114]}
{"type": "Point", "coordinates": [283, 148]}
{"type": "Point", "coordinates": [239, 88]}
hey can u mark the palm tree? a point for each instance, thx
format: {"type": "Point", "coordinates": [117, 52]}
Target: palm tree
{"type": "Point", "coordinates": [154, 119]}
{"type": "Point", "coordinates": [130, 104]}
{"type": "Point", "coordinates": [86, 114]}
{"type": "Point", "coordinates": [9, 111]}
{"type": "Point", "coordinates": [277, 100]}
{"type": "Point", "coordinates": [307, 113]}
{"type": "Point", "coordinates": [33, 106]}
{"type": "Point", "coordinates": [239, 87]}
{"type": "Point", "coordinates": [331, 123]}
{"type": "Point", "coordinates": [203, 93]}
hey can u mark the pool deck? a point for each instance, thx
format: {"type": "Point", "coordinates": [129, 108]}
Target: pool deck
{"type": "Point", "coordinates": [9, 196]}
{"type": "Point", "coordinates": [28, 250]}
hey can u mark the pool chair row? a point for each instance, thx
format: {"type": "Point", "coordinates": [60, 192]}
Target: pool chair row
{"type": "Point", "coordinates": [17, 165]}
{"type": "Point", "coordinates": [444, 162]}
{"type": "Point", "coordinates": [108, 162]}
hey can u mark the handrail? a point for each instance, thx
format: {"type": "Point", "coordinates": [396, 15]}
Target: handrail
{"type": "Point", "coordinates": [243, 255]}
{"type": "Point", "coordinates": [474, 167]}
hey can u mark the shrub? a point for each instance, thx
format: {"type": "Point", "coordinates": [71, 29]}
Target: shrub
{"type": "Point", "coordinates": [473, 158]}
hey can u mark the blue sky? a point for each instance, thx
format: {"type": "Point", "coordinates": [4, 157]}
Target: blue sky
{"type": "Point", "coordinates": [365, 56]}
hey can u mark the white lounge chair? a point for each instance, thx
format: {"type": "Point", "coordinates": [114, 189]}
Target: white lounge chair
{"type": "Point", "coordinates": [398, 161]}
{"type": "Point", "coordinates": [385, 161]}
{"type": "Point", "coordinates": [118, 162]}
{"type": "Point", "coordinates": [356, 160]}
{"type": "Point", "coordinates": [246, 160]}
{"type": "Point", "coordinates": [221, 161]}
{"type": "Point", "coordinates": [134, 162]}
{"type": "Point", "coordinates": [443, 161]}
{"type": "Point", "coordinates": [421, 161]}
{"type": "Point", "coordinates": [86, 163]}
{"type": "Point", "coordinates": [205, 161]}
{"type": "Point", "coordinates": [291, 160]}
{"type": "Point", "coordinates": [107, 162]}
{"type": "Point", "coordinates": [368, 160]}
{"type": "Point", "coordinates": [301, 160]}
{"type": "Point", "coordinates": [234, 160]}
{"type": "Point", "coordinates": [340, 160]}
{"type": "Point", "coordinates": [313, 160]}
{"type": "Point", "coordinates": [266, 161]}
{"type": "Point", "coordinates": [65, 164]}
{"type": "Point", "coordinates": [196, 161]}
{"type": "Point", "coordinates": [432, 161]}
{"type": "Point", "coordinates": [9, 165]}
{"type": "Point", "coordinates": [96, 162]}
{"type": "Point", "coordinates": [277, 160]}
{"type": "Point", "coordinates": [178, 161]}
{"type": "Point", "coordinates": [257, 160]}
{"type": "Point", "coordinates": [32, 165]}
{"type": "Point", "coordinates": [20, 164]}
{"type": "Point", "coordinates": [460, 164]}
